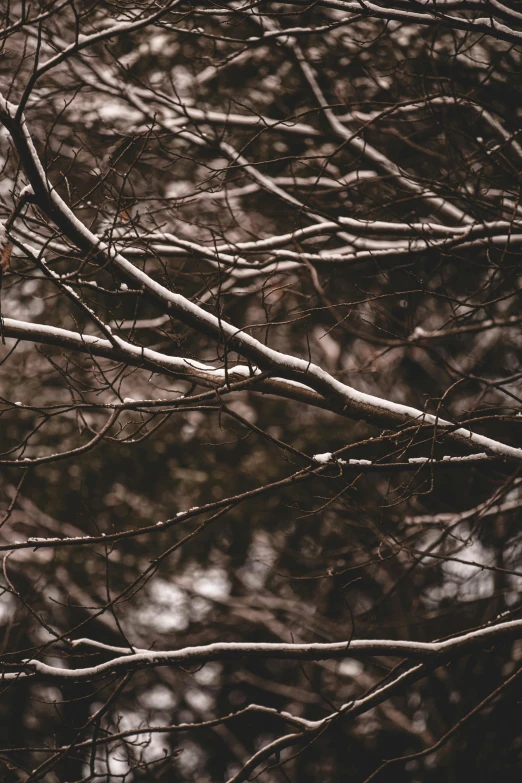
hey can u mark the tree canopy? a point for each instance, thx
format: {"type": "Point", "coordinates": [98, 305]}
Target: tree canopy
{"type": "Point", "coordinates": [261, 398]}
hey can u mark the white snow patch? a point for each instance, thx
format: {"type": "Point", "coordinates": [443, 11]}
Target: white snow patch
{"type": "Point", "coordinates": [467, 458]}
{"type": "Point", "coordinates": [27, 191]}
{"type": "Point", "coordinates": [323, 459]}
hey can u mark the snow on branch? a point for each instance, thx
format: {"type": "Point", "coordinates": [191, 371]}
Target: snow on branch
{"type": "Point", "coordinates": [298, 652]}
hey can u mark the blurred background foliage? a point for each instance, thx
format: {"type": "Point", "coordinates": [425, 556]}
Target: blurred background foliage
{"type": "Point", "coordinates": [339, 555]}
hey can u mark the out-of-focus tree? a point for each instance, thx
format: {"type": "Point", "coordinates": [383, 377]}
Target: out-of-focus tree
{"type": "Point", "coordinates": [260, 391]}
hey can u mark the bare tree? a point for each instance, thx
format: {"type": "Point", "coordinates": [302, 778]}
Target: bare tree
{"type": "Point", "coordinates": [261, 391]}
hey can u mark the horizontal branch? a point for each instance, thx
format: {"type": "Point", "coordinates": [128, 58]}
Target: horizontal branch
{"type": "Point", "coordinates": [220, 651]}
